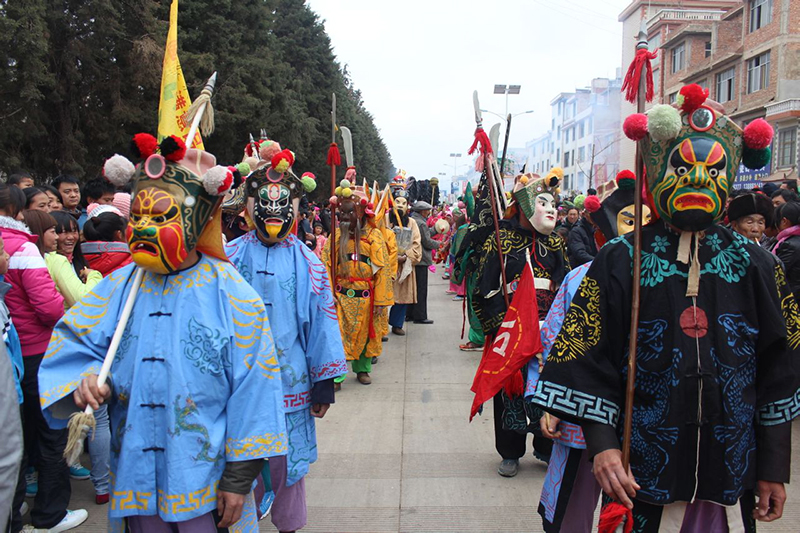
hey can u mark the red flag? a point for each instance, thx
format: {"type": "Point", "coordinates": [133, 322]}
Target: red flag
{"type": "Point", "coordinates": [516, 342]}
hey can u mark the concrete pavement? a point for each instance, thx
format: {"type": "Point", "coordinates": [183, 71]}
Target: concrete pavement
{"type": "Point", "coordinates": [400, 454]}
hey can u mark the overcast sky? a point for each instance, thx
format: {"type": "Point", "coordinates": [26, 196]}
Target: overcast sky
{"type": "Point", "coordinates": [418, 61]}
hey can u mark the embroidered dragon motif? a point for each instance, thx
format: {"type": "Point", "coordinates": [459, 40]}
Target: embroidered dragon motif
{"type": "Point", "coordinates": [182, 414]}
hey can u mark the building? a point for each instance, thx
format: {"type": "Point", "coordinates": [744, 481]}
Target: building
{"type": "Point", "coordinates": [663, 18]}
{"type": "Point", "coordinates": [747, 53]}
{"type": "Point", "coordinates": [583, 138]}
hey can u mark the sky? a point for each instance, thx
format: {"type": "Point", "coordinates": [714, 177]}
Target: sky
{"type": "Point", "coordinates": [417, 63]}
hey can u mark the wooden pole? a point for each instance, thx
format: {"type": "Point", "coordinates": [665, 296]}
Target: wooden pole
{"type": "Point", "coordinates": [332, 205]}
{"type": "Point", "coordinates": [496, 219]}
{"type": "Point", "coordinates": [630, 386]}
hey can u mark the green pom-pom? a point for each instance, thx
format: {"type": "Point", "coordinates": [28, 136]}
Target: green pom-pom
{"type": "Point", "coordinates": [345, 184]}
{"type": "Point", "coordinates": [244, 169]}
{"type": "Point", "coordinates": [756, 159]}
{"type": "Point", "coordinates": [308, 183]}
{"type": "Point", "coordinates": [664, 122]}
{"type": "Point", "coordinates": [578, 202]}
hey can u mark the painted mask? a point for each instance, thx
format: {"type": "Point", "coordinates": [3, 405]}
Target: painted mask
{"type": "Point", "coordinates": [168, 213]}
{"type": "Point", "coordinates": [537, 197]}
{"type": "Point", "coordinates": [273, 209]}
{"type": "Point", "coordinates": [544, 214]}
{"type": "Point", "coordinates": [401, 204]}
{"type": "Point", "coordinates": [693, 190]}
{"type": "Point", "coordinates": [626, 219]}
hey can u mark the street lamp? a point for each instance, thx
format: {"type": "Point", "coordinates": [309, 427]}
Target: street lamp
{"type": "Point", "coordinates": [507, 89]}
{"type": "Point", "coordinates": [455, 157]}
{"type": "Point", "coordinates": [507, 119]}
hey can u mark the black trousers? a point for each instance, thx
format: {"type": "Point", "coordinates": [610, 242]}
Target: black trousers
{"type": "Point", "coordinates": [509, 444]}
{"type": "Point", "coordinates": [50, 505]}
{"type": "Point", "coordinates": [419, 311]}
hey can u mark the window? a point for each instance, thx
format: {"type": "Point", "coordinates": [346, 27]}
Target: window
{"type": "Point", "coordinates": [787, 143]}
{"type": "Point", "coordinates": [703, 83]}
{"type": "Point", "coordinates": [678, 57]}
{"type": "Point", "coordinates": [760, 14]}
{"type": "Point", "coordinates": [656, 80]}
{"type": "Point", "coordinates": [708, 49]}
{"type": "Point", "coordinates": [558, 154]}
{"type": "Point", "coordinates": [558, 133]}
{"type": "Point", "coordinates": [758, 73]}
{"type": "Point", "coordinates": [725, 84]}
{"type": "Point", "coordinates": [581, 130]}
{"type": "Point", "coordinates": [559, 108]}
{"type": "Point", "coordinates": [581, 153]}
{"type": "Point", "coordinates": [673, 97]}
{"type": "Point", "coordinates": [566, 159]}
{"type": "Point", "coordinates": [654, 44]}
{"type": "Point", "coordinates": [552, 124]}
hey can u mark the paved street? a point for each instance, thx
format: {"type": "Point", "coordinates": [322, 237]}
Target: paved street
{"type": "Point", "coordinates": [399, 455]}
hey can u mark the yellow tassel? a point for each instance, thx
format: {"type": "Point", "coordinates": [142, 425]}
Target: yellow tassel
{"type": "Point", "coordinates": [207, 121]}
{"type": "Point", "coordinates": [79, 426]}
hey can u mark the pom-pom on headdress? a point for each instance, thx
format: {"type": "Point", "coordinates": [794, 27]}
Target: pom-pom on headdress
{"type": "Point", "coordinates": [693, 115]}
{"type": "Point", "coordinates": [348, 191]}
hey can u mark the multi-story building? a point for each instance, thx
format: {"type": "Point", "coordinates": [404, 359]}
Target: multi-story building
{"type": "Point", "coordinates": [583, 137]}
{"type": "Point", "coordinates": [747, 54]}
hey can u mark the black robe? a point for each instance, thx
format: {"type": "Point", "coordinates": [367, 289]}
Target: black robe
{"type": "Point", "coordinates": [716, 384]}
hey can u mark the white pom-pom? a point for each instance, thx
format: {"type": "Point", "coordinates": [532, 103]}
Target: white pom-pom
{"type": "Point", "coordinates": [118, 170]}
{"type": "Point", "coordinates": [664, 122]}
{"type": "Point", "coordinates": [217, 180]}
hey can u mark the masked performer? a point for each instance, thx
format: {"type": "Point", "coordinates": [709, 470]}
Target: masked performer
{"type": "Point", "coordinates": [465, 266]}
{"type": "Point", "coordinates": [531, 231]}
{"type": "Point", "coordinates": [716, 384]}
{"type": "Point", "coordinates": [361, 253]}
{"type": "Point", "coordinates": [384, 282]}
{"type": "Point", "coordinates": [196, 355]}
{"type": "Point", "coordinates": [297, 294]}
{"type": "Point", "coordinates": [409, 254]}
{"type": "Point", "coordinates": [570, 491]}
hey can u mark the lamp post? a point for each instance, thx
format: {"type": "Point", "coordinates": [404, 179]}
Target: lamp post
{"type": "Point", "coordinates": [507, 118]}
{"type": "Point", "coordinates": [455, 161]}
{"type": "Point", "coordinates": [507, 89]}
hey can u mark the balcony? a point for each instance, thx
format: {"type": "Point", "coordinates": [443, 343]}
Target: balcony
{"type": "Point", "coordinates": [685, 15]}
{"type": "Point", "coordinates": [790, 107]}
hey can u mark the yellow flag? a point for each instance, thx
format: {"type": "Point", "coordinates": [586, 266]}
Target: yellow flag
{"type": "Point", "coordinates": [175, 100]}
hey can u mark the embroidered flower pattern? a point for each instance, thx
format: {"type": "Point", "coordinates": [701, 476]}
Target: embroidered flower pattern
{"type": "Point", "coordinates": [660, 244]}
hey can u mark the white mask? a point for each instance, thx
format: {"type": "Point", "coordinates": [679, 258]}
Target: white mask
{"type": "Point", "coordinates": [544, 215]}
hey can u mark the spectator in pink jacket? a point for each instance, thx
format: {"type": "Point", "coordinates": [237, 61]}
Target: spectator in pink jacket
{"type": "Point", "coordinates": [36, 306]}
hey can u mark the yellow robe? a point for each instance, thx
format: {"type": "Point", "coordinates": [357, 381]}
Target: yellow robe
{"type": "Point", "coordinates": [384, 292]}
{"type": "Point", "coordinates": [354, 306]}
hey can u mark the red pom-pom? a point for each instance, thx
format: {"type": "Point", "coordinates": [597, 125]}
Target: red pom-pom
{"type": "Point", "coordinates": [282, 161]}
{"type": "Point", "coordinates": [143, 145]}
{"type": "Point", "coordinates": [226, 184]}
{"type": "Point", "coordinates": [626, 179]}
{"type": "Point", "coordinates": [693, 97]}
{"type": "Point", "coordinates": [333, 200]}
{"type": "Point", "coordinates": [635, 126]}
{"type": "Point", "coordinates": [363, 201]}
{"type": "Point", "coordinates": [592, 203]}
{"type": "Point", "coordinates": [758, 134]}
{"type": "Point", "coordinates": [173, 148]}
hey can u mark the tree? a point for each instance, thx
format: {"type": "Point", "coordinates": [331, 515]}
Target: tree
{"type": "Point", "coordinates": [79, 78]}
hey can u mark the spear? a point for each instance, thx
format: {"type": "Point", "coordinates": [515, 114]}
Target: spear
{"type": "Point", "coordinates": [486, 154]}
{"type": "Point", "coordinates": [333, 159]}
{"type": "Point", "coordinates": [201, 113]}
{"type": "Point", "coordinates": [638, 87]}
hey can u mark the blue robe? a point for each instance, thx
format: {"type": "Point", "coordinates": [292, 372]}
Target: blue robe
{"type": "Point", "coordinates": [297, 294]}
{"type": "Point", "coordinates": [196, 383]}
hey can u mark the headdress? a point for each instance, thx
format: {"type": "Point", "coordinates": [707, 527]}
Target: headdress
{"type": "Point", "coordinates": [605, 212]}
{"type": "Point", "coordinates": [176, 194]}
{"type": "Point", "coordinates": [529, 186]}
{"type": "Point", "coordinates": [692, 154]}
{"type": "Point", "coordinates": [358, 194]}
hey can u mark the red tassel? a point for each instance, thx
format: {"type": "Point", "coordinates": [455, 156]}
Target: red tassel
{"type": "Point", "coordinates": [630, 86]}
{"type": "Point", "coordinates": [334, 158]}
{"type": "Point", "coordinates": [614, 515]}
{"type": "Point", "coordinates": [482, 141]}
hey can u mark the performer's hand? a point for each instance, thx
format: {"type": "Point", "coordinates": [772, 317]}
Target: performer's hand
{"type": "Point", "coordinates": [611, 476]}
{"type": "Point", "coordinates": [229, 507]}
{"type": "Point", "coordinates": [771, 497]}
{"type": "Point", "coordinates": [549, 424]}
{"type": "Point", "coordinates": [89, 393]}
{"type": "Point", "coordinates": [318, 410]}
